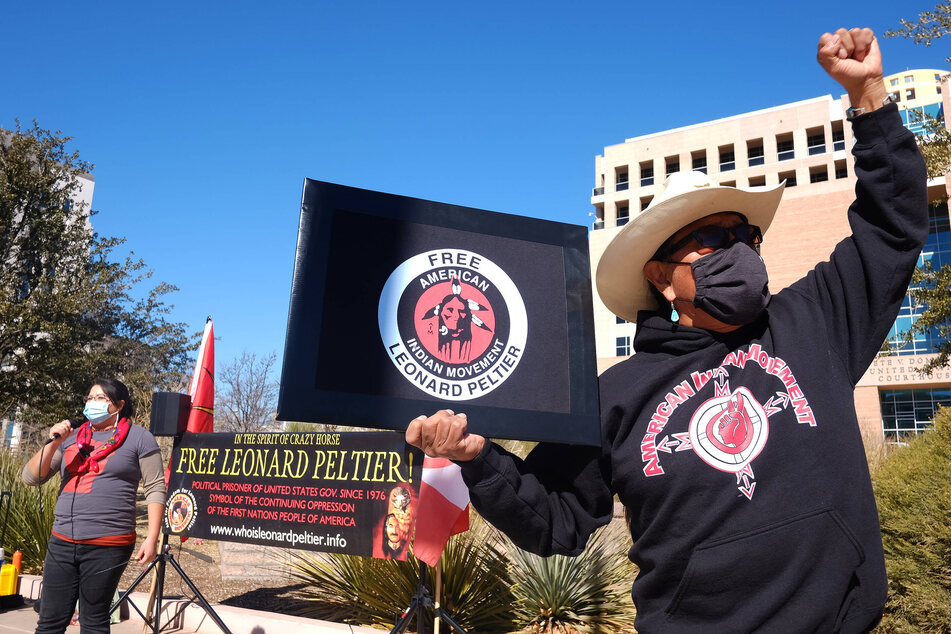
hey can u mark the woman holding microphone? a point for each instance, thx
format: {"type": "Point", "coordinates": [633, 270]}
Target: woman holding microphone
{"type": "Point", "coordinates": [93, 533]}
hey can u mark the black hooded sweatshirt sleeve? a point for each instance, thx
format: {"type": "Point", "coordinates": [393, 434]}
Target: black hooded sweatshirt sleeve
{"type": "Point", "coordinates": [738, 457]}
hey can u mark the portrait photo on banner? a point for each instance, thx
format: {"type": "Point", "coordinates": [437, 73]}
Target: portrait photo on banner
{"type": "Point", "coordinates": [402, 306]}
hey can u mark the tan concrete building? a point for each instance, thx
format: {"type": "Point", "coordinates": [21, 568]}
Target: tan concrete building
{"type": "Point", "coordinates": [807, 144]}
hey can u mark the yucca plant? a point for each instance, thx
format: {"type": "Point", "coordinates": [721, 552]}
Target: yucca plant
{"type": "Point", "coordinates": [475, 585]}
{"type": "Point", "coordinates": [351, 589]}
{"type": "Point", "coordinates": [30, 516]}
{"type": "Point", "coordinates": [587, 593]}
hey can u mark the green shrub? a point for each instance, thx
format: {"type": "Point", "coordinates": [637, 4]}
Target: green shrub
{"type": "Point", "coordinates": [587, 593]}
{"type": "Point", "coordinates": [475, 585]}
{"type": "Point", "coordinates": [28, 529]}
{"type": "Point", "coordinates": [913, 491]}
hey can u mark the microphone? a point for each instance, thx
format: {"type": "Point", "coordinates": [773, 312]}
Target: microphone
{"type": "Point", "coordinates": [74, 423]}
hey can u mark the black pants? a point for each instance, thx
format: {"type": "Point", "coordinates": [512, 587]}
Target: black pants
{"type": "Point", "coordinates": [89, 573]}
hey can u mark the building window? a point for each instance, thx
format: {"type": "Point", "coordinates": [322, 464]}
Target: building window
{"type": "Point", "coordinates": [10, 437]}
{"type": "Point", "coordinates": [647, 173]}
{"type": "Point", "coordinates": [699, 161]}
{"type": "Point", "coordinates": [838, 136]}
{"type": "Point", "coordinates": [598, 217]}
{"type": "Point", "coordinates": [672, 165]}
{"type": "Point", "coordinates": [785, 149]}
{"type": "Point", "coordinates": [645, 202]}
{"type": "Point", "coordinates": [895, 96]}
{"type": "Point", "coordinates": [841, 170]}
{"type": "Point", "coordinates": [728, 183]}
{"type": "Point", "coordinates": [818, 174]}
{"type": "Point", "coordinates": [619, 320]}
{"type": "Point", "coordinates": [939, 224]}
{"type": "Point", "coordinates": [914, 118]}
{"type": "Point", "coordinates": [757, 181]}
{"type": "Point", "coordinates": [894, 81]}
{"type": "Point", "coordinates": [936, 253]}
{"type": "Point", "coordinates": [909, 412]}
{"type": "Point", "coordinates": [816, 141]}
{"type": "Point", "coordinates": [754, 152]}
{"type": "Point", "coordinates": [909, 94]}
{"type": "Point", "coordinates": [599, 191]}
{"type": "Point", "coordinates": [727, 158]}
{"type": "Point", "coordinates": [909, 79]}
{"type": "Point", "coordinates": [623, 215]}
{"type": "Point", "coordinates": [623, 346]}
{"type": "Point", "coordinates": [620, 179]}
{"type": "Point", "coordinates": [789, 177]}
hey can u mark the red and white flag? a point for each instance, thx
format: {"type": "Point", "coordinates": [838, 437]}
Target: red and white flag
{"type": "Point", "coordinates": [443, 508]}
{"type": "Point", "coordinates": [201, 418]}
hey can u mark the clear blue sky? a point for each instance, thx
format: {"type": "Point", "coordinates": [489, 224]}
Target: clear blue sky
{"type": "Point", "coordinates": [204, 118]}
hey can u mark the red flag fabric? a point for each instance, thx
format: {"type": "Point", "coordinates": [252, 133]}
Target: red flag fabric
{"type": "Point", "coordinates": [201, 418]}
{"type": "Point", "coordinates": [443, 508]}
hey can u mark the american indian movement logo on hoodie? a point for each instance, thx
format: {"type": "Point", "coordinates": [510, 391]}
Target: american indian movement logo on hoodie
{"type": "Point", "coordinates": [453, 323]}
{"type": "Point", "coordinates": [729, 430]}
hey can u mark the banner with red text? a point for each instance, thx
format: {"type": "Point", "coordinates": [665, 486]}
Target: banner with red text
{"type": "Point", "coordinates": [355, 493]}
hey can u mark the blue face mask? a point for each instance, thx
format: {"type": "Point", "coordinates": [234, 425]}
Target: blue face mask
{"type": "Point", "coordinates": [96, 411]}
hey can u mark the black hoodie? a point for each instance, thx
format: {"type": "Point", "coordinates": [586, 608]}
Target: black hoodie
{"type": "Point", "coordinates": [739, 456]}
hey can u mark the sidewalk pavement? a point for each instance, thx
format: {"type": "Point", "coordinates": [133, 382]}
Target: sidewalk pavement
{"type": "Point", "coordinates": [179, 617]}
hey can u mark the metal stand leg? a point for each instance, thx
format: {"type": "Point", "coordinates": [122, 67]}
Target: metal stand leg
{"type": "Point", "coordinates": [418, 601]}
{"type": "Point", "coordinates": [158, 561]}
{"type": "Point", "coordinates": [161, 559]}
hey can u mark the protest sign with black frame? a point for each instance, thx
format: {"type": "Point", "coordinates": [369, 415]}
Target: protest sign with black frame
{"type": "Point", "coordinates": [402, 306]}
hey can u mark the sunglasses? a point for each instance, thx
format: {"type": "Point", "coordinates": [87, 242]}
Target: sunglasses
{"type": "Point", "coordinates": [717, 237]}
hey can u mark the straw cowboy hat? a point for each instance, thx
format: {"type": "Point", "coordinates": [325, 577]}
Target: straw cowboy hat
{"type": "Point", "coordinates": [686, 196]}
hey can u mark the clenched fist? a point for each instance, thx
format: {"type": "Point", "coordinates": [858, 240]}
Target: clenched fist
{"type": "Point", "coordinates": [444, 435]}
{"type": "Point", "coordinates": [852, 58]}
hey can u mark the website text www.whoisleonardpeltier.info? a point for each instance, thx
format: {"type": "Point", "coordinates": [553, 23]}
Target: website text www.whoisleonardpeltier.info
{"type": "Point", "coordinates": [292, 537]}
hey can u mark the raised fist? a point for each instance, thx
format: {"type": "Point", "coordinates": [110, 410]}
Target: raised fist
{"type": "Point", "coordinates": [852, 58]}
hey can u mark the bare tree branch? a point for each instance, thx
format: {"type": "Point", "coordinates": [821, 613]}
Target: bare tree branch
{"type": "Point", "coordinates": [247, 400]}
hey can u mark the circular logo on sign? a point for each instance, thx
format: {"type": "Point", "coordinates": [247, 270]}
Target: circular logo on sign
{"type": "Point", "coordinates": [728, 432]}
{"type": "Point", "coordinates": [453, 323]}
{"type": "Point", "coordinates": [180, 510]}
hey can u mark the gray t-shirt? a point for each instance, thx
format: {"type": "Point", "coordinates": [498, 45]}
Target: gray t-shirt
{"type": "Point", "coordinates": [101, 504]}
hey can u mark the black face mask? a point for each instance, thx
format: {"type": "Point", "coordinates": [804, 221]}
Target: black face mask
{"type": "Point", "coordinates": [732, 285]}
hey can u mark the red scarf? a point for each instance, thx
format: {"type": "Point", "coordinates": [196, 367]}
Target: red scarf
{"type": "Point", "coordinates": [93, 456]}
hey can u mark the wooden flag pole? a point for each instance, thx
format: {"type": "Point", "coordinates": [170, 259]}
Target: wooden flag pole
{"type": "Point", "coordinates": [436, 618]}
{"type": "Point", "coordinates": [146, 626]}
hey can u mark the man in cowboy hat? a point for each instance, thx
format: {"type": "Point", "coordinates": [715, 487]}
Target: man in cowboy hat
{"type": "Point", "coordinates": [730, 436]}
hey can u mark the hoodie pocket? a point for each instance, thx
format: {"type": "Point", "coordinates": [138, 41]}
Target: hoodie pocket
{"type": "Point", "coordinates": [800, 570]}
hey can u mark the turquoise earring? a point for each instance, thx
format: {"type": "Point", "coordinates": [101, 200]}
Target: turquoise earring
{"type": "Point", "coordinates": [674, 315]}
